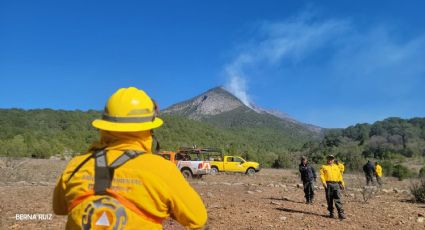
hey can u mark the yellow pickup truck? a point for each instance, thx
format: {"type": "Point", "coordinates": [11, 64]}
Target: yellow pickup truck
{"type": "Point", "coordinates": [233, 164]}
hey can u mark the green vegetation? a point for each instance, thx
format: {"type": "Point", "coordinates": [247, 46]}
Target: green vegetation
{"type": "Point", "coordinates": [387, 168]}
{"type": "Point", "coordinates": [391, 142]}
{"type": "Point", "coordinates": [271, 131]}
{"type": "Point", "coordinates": [418, 190]}
{"type": "Point", "coordinates": [422, 172]}
{"type": "Point", "coordinates": [43, 133]}
{"type": "Point", "coordinates": [402, 172]}
{"type": "Point", "coordinates": [265, 139]}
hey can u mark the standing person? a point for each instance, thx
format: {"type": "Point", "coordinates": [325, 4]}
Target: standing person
{"type": "Point", "coordinates": [119, 183]}
{"type": "Point", "coordinates": [340, 166]}
{"type": "Point", "coordinates": [308, 177]}
{"type": "Point", "coordinates": [332, 181]}
{"type": "Point", "coordinates": [378, 173]}
{"type": "Point", "coordinates": [369, 171]}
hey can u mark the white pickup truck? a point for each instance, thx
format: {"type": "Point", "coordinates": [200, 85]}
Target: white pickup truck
{"type": "Point", "coordinates": [191, 166]}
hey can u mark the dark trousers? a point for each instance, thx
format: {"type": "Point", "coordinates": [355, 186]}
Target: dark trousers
{"type": "Point", "coordinates": [369, 179]}
{"type": "Point", "coordinates": [333, 194]}
{"type": "Point", "coordinates": [308, 191]}
{"type": "Point", "coordinates": [379, 180]}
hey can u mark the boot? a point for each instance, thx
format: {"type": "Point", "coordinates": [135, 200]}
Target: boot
{"type": "Point", "coordinates": [331, 215]}
{"type": "Point", "coordinates": [341, 216]}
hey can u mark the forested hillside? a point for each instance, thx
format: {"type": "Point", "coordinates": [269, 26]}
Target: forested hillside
{"type": "Point", "coordinates": [43, 133]}
{"type": "Point", "coordinates": [393, 141]}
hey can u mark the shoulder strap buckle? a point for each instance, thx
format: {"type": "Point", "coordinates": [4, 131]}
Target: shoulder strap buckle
{"type": "Point", "coordinates": [104, 173]}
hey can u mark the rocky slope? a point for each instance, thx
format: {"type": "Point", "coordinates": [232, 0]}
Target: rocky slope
{"type": "Point", "coordinates": [220, 107]}
{"type": "Point", "coordinates": [213, 102]}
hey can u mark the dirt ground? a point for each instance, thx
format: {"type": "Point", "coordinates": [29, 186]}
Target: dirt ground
{"type": "Point", "coordinates": [269, 200]}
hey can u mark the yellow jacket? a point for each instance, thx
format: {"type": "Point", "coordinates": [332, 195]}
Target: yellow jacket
{"type": "Point", "coordinates": [378, 170]}
{"type": "Point", "coordinates": [331, 173]}
{"type": "Point", "coordinates": [153, 185]}
{"type": "Point", "coordinates": [341, 167]}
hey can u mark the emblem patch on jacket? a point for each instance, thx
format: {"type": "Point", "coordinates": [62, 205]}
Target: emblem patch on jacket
{"type": "Point", "coordinates": [104, 213]}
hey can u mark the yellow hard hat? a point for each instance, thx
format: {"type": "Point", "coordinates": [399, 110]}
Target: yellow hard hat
{"type": "Point", "coordinates": [129, 110]}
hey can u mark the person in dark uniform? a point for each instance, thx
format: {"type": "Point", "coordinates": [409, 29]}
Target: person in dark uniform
{"type": "Point", "coordinates": [308, 177]}
{"type": "Point", "coordinates": [369, 170]}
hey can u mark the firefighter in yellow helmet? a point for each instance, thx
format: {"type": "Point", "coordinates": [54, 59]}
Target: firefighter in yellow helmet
{"type": "Point", "coordinates": [331, 177]}
{"type": "Point", "coordinates": [119, 183]}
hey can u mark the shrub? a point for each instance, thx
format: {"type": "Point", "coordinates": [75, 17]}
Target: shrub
{"type": "Point", "coordinates": [387, 168]}
{"type": "Point", "coordinates": [354, 163]}
{"type": "Point", "coordinates": [282, 161]}
{"type": "Point", "coordinates": [394, 156]}
{"type": "Point", "coordinates": [402, 172]}
{"type": "Point", "coordinates": [418, 190]}
{"type": "Point", "coordinates": [407, 152]}
{"type": "Point", "coordinates": [422, 172]}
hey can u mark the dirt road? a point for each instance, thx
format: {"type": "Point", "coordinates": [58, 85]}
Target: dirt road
{"type": "Point", "coordinates": [269, 200]}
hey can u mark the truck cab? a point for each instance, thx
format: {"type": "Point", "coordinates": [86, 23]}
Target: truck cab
{"type": "Point", "coordinates": [191, 166]}
{"type": "Point", "coordinates": [233, 164]}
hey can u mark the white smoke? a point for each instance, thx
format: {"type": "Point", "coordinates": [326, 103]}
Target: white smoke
{"type": "Point", "coordinates": [237, 83]}
{"type": "Point", "coordinates": [237, 86]}
{"type": "Point", "coordinates": [353, 59]}
{"type": "Point", "coordinates": [289, 40]}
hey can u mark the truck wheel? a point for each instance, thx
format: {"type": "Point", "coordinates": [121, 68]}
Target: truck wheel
{"type": "Point", "coordinates": [187, 173]}
{"type": "Point", "coordinates": [214, 171]}
{"type": "Point", "coordinates": [250, 171]}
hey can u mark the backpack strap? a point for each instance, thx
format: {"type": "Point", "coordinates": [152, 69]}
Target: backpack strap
{"type": "Point", "coordinates": [122, 159]}
{"type": "Point", "coordinates": [126, 156]}
{"type": "Point", "coordinates": [104, 173]}
{"type": "Point", "coordinates": [83, 163]}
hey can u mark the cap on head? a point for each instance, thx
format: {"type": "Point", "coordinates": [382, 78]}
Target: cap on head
{"type": "Point", "coordinates": [303, 158]}
{"type": "Point", "coordinates": [330, 157]}
{"type": "Point", "coordinates": [129, 110]}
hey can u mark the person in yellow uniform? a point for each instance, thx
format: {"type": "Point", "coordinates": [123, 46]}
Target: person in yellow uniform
{"type": "Point", "coordinates": [119, 183]}
{"type": "Point", "coordinates": [331, 177]}
{"type": "Point", "coordinates": [378, 173]}
{"type": "Point", "coordinates": [340, 165]}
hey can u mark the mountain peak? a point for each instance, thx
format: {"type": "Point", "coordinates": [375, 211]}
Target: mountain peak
{"type": "Point", "coordinates": [212, 102]}
{"type": "Point", "coordinates": [218, 102]}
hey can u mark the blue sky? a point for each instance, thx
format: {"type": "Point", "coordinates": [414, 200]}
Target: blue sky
{"type": "Point", "coordinates": [328, 63]}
